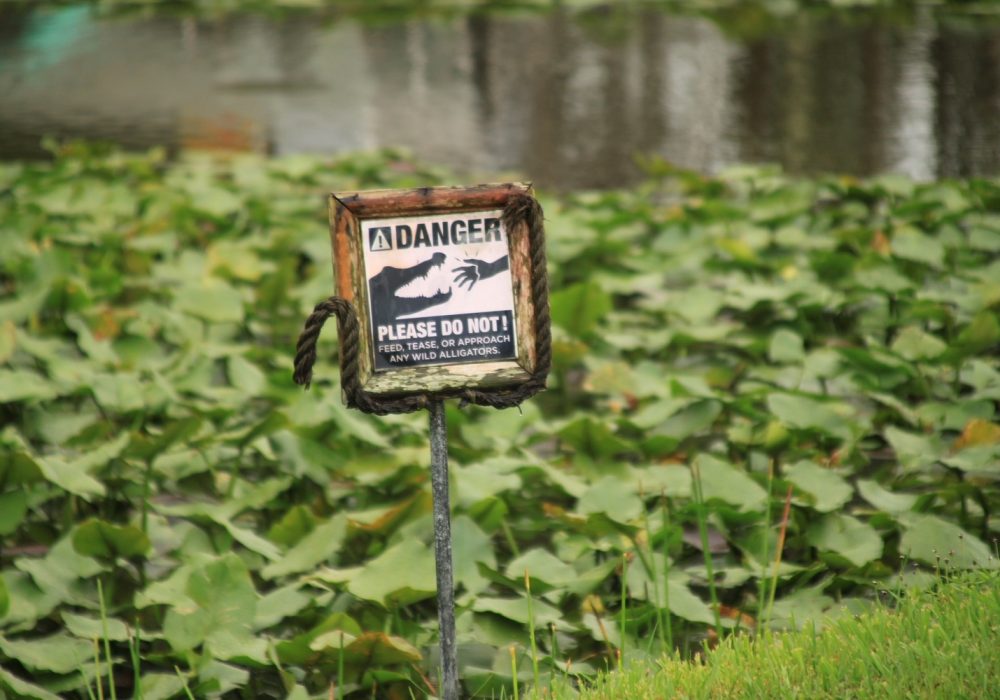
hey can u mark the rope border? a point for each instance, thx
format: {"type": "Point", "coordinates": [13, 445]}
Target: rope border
{"type": "Point", "coordinates": [520, 208]}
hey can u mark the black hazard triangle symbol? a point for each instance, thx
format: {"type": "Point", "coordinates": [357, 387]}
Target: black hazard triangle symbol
{"type": "Point", "coordinates": [380, 238]}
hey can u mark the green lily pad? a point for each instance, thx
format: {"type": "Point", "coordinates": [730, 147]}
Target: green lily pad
{"type": "Point", "coordinates": [827, 490]}
{"type": "Point", "coordinates": [935, 541]}
{"type": "Point", "coordinates": [721, 480]}
{"type": "Point", "coordinates": [401, 575]}
{"type": "Point", "coordinates": [103, 540]}
{"type": "Point", "coordinates": [848, 537]}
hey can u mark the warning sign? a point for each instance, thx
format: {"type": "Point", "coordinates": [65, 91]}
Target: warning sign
{"type": "Point", "coordinates": [440, 289]}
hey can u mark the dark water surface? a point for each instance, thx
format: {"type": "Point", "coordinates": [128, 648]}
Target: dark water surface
{"type": "Point", "coordinates": [566, 99]}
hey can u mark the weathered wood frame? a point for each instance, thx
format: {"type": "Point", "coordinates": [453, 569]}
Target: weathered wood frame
{"type": "Point", "coordinates": [349, 209]}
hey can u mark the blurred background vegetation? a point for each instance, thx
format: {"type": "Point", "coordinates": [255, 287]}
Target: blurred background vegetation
{"type": "Point", "coordinates": [732, 342]}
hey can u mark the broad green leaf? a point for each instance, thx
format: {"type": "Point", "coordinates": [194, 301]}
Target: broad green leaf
{"type": "Point", "coordinates": [982, 333]}
{"type": "Point", "coordinates": [245, 376]}
{"type": "Point", "coordinates": [337, 628]}
{"type": "Point", "coordinates": [685, 604]}
{"type": "Point", "coordinates": [18, 469]}
{"type": "Point", "coordinates": [672, 480]}
{"type": "Point", "coordinates": [827, 490]}
{"type": "Point", "coordinates": [595, 438]}
{"type": "Point", "coordinates": [852, 539]}
{"type": "Point", "coordinates": [470, 546]}
{"type": "Point", "coordinates": [57, 572]}
{"type": "Point", "coordinates": [22, 688]}
{"type": "Point", "coordinates": [376, 648]}
{"type": "Point", "coordinates": [682, 602]}
{"type": "Point", "coordinates": [118, 392]}
{"type": "Point", "coordinates": [215, 200]}
{"type": "Point", "coordinates": [90, 628]}
{"type": "Point", "coordinates": [478, 481]}
{"type": "Point", "coordinates": [280, 603]}
{"type": "Point", "coordinates": [579, 307]}
{"type": "Point", "coordinates": [804, 607]}
{"type": "Point", "coordinates": [883, 499]}
{"type": "Point", "coordinates": [297, 522]}
{"type": "Point", "coordinates": [721, 480]}
{"type": "Point", "coordinates": [313, 549]}
{"type": "Point", "coordinates": [981, 460]}
{"type": "Point", "coordinates": [613, 497]}
{"type": "Point", "coordinates": [809, 414]}
{"type": "Point", "coordinates": [8, 340]}
{"type": "Point", "coordinates": [57, 653]}
{"type": "Point", "coordinates": [785, 347]}
{"type": "Point", "coordinates": [910, 244]}
{"type": "Point", "coordinates": [935, 541]}
{"type": "Point", "coordinates": [104, 540]}
{"type": "Point", "coordinates": [13, 507]}
{"type": "Point", "coordinates": [913, 451]}
{"type": "Point", "coordinates": [24, 385]}
{"type": "Point", "coordinates": [913, 343]}
{"type": "Point", "coordinates": [161, 686]}
{"type": "Point", "coordinates": [217, 303]}
{"type": "Point", "coordinates": [517, 609]}
{"type": "Point", "coordinates": [541, 565]}
{"type": "Point", "coordinates": [401, 575]}
{"type": "Point", "coordinates": [225, 606]}
{"type": "Point", "coordinates": [692, 419]}
{"type": "Point", "coordinates": [4, 598]}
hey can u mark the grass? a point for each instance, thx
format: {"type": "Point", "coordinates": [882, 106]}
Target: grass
{"type": "Point", "coordinates": [938, 642]}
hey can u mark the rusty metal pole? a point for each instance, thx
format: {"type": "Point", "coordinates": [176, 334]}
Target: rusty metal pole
{"type": "Point", "coordinates": [442, 550]}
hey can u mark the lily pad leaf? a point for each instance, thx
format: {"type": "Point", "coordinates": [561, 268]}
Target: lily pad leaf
{"type": "Point", "coordinates": [827, 490]}
{"type": "Point", "coordinates": [21, 688]}
{"type": "Point", "coordinates": [316, 547]}
{"type": "Point", "coordinates": [808, 414]}
{"type": "Point", "coordinates": [13, 508]}
{"type": "Point", "coordinates": [57, 653]}
{"type": "Point", "coordinates": [516, 609]}
{"type": "Point", "coordinates": [401, 575]}
{"type": "Point", "coordinates": [611, 496]}
{"type": "Point", "coordinates": [915, 344]}
{"type": "Point", "coordinates": [885, 500]}
{"type": "Point", "coordinates": [785, 347]}
{"type": "Point", "coordinates": [541, 565]}
{"type": "Point", "coordinates": [855, 541]}
{"type": "Point", "coordinates": [579, 307]}
{"type": "Point", "coordinates": [721, 480]}
{"type": "Point", "coordinates": [225, 606]}
{"type": "Point", "coordinates": [94, 628]}
{"type": "Point", "coordinates": [376, 648]}
{"type": "Point", "coordinates": [935, 541]}
{"type": "Point", "coordinates": [103, 540]}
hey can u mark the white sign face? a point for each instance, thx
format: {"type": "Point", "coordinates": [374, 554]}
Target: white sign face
{"type": "Point", "coordinates": [440, 289]}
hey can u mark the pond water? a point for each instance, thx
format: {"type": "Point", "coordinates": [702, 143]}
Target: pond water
{"type": "Point", "coordinates": [564, 98]}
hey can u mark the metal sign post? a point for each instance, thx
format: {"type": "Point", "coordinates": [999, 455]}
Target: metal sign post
{"type": "Point", "coordinates": [442, 550]}
{"type": "Point", "coordinates": [441, 293]}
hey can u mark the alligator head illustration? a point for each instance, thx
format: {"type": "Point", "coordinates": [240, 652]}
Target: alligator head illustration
{"type": "Point", "coordinates": [386, 302]}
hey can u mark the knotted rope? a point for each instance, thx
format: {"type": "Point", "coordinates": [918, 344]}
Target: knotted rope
{"type": "Point", "coordinates": [519, 208]}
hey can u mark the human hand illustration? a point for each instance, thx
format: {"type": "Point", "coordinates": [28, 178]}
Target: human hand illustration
{"type": "Point", "coordinates": [478, 270]}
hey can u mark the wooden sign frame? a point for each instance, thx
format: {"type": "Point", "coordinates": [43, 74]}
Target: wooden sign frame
{"type": "Point", "coordinates": [349, 211]}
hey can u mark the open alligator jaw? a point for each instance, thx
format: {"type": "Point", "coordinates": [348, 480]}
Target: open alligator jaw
{"type": "Point", "coordinates": [435, 288]}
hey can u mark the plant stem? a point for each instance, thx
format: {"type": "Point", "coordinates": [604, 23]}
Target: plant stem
{"type": "Point", "coordinates": [513, 669]}
{"type": "Point", "coordinates": [531, 630]}
{"type": "Point", "coordinates": [762, 591]}
{"type": "Point", "coordinates": [624, 608]}
{"type": "Point", "coordinates": [703, 530]}
{"type": "Point", "coordinates": [781, 548]}
{"type": "Point", "coordinates": [666, 572]}
{"type": "Point", "coordinates": [107, 641]}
